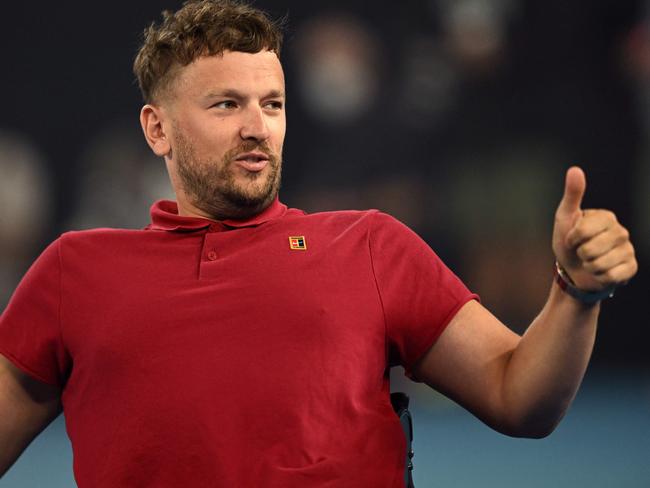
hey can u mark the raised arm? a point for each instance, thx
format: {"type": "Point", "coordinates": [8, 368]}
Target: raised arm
{"type": "Point", "coordinates": [522, 386]}
{"type": "Point", "coordinates": [27, 406]}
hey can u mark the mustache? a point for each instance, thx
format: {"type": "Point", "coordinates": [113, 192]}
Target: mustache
{"type": "Point", "coordinates": [249, 146]}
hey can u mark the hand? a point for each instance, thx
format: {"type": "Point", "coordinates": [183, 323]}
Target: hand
{"type": "Point", "coordinates": [591, 245]}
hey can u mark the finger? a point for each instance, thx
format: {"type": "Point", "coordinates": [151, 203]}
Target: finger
{"type": "Point", "coordinates": [602, 243]}
{"type": "Point", "coordinates": [592, 223]}
{"type": "Point", "coordinates": [619, 274]}
{"type": "Point", "coordinates": [575, 185]}
{"type": "Point", "coordinates": [616, 257]}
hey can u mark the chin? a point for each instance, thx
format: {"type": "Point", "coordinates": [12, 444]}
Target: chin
{"type": "Point", "coordinates": [239, 205]}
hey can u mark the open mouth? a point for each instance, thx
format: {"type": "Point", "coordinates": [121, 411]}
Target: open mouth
{"type": "Point", "coordinates": [253, 161]}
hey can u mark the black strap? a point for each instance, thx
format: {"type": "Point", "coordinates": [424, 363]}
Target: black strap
{"type": "Point", "coordinates": [400, 402]}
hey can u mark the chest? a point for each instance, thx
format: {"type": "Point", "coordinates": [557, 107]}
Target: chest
{"type": "Point", "coordinates": [253, 305]}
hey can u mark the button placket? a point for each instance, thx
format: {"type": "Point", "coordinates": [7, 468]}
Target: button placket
{"type": "Point", "coordinates": [213, 254]}
{"type": "Point", "coordinates": [210, 251]}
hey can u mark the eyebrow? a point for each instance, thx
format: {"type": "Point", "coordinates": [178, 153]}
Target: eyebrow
{"type": "Point", "coordinates": [230, 93]}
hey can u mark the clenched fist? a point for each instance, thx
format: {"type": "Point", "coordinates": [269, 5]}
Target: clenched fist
{"type": "Point", "coordinates": [591, 245]}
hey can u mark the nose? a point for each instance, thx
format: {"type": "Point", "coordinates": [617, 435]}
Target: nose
{"type": "Point", "coordinates": [254, 126]}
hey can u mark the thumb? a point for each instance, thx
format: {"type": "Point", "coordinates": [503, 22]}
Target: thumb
{"type": "Point", "coordinates": [574, 189]}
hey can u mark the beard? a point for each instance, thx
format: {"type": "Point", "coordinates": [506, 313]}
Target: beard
{"type": "Point", "coordinates": [212, 186]}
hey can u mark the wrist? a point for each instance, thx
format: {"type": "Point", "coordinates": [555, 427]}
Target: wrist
{"type": "Point", "coordinates": [567, 285]}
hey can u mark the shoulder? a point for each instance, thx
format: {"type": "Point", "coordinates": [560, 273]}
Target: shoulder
{"type": "Point", "coordinates": [333, 223]}
{"type": "Point", "coordinates": [371, 222]}
{"type": "Point", "coordinates": [101, 240]}
{"type": "Point", "coordinates": [100, 234]}
{"type": "Point", "coordinates": [338, 218]}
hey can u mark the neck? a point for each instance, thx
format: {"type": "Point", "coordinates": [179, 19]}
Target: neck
{"type": "Point", "coordinates": [218, 212]}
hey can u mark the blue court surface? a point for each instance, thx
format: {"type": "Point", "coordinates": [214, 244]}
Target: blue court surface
{"type": "Point", "coordinates": [604, 442]}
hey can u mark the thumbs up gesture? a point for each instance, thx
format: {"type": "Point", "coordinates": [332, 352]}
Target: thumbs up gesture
{"type": "Point", "coordinates": [591, 245]}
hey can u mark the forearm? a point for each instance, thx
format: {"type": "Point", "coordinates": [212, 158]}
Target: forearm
{"type": "Point", "coordinates": [13, 440]}
{"type": "Point", "coordinates": [544, 371]}
{"type": "Point", "coordinates": [26, 408]}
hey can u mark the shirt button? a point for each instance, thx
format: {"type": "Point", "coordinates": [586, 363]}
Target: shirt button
{"type": "Point", "coordinates": [212, 256]}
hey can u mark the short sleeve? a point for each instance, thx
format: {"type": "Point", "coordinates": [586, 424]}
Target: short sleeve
{"type": "Point", "coordinates": [419, 294]}
{"type": "Point", "coordinates": [30, 334]}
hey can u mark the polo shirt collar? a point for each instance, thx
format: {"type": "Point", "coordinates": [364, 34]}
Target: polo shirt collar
{"type": "Point", "coordinates": [164, 216]}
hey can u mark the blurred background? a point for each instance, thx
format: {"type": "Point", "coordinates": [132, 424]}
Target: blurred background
{"type": "Point", "coordinates": [459, 117]}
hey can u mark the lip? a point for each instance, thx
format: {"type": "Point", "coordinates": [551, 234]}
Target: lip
{"type": "Point", "coordinates": [252, 161]}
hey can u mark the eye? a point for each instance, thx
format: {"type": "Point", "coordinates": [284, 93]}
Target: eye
{"type": "Point", "coordinates": [225, 104]}
{"type": "Point", "coordinates": [274, 105]}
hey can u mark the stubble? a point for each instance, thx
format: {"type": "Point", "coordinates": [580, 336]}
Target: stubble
{"type": "Point", "coordinates": [212, 186]}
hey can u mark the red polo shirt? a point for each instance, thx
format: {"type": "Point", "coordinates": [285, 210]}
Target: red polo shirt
{"type": "Point", "coordinates": [235, 353]}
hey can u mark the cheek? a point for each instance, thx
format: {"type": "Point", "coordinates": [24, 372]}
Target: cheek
{"type": "Point", "coordinates": [279, 131]}
{"type": "Point", "coordinates": [213, 140]}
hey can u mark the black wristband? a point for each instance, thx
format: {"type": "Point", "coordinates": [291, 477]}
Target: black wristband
{"type": "Point", "coordinates": [587, 297]}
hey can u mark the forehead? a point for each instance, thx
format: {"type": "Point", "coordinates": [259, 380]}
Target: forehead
{"type": "Point", "coordinates": [246, 72]}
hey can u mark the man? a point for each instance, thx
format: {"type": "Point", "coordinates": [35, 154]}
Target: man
{"type": "Point", "coordinates": [236, 342]}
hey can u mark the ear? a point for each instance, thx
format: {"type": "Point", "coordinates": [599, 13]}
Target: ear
{"type": "Point", "coordinates": [151, 120]}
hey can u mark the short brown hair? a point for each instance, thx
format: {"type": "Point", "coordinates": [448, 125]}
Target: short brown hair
{"type": "Point", "coordinates": [200, 28]}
